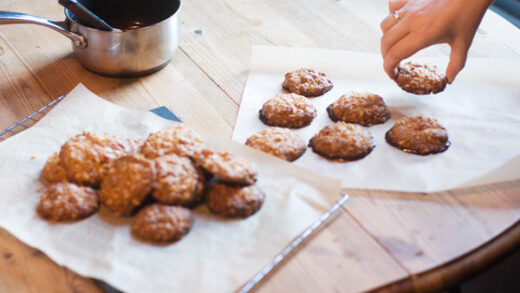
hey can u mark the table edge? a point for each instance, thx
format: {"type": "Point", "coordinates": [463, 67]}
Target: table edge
{"type": "Point", "coordinates": [461, 268]}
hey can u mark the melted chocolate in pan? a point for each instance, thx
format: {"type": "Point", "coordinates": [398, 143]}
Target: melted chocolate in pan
{"type": "Point", "coordinates": [131, 14]}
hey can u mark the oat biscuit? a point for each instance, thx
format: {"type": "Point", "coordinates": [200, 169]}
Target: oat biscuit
{"type": "Point", "coordinates": [342, 141]}
{"type": "Point", "coordinates": [234, 201]}
{"type": "Point", "coordinates": [287, 110]}
{"type": "Point", "coordinates": [279, 142]}
{"type": "Point", "coordinates": [85, 157]}
{"type": "Point", "coordinates": [162, 223]}
{"type": "Point", "coordinates": [361, 108]}
{"type": "Point", "coordinates": [133, 146]}
{"type": "Point", "coordinates": [226, 166]}
{"type": "Point", "coordinates": [67, 201]}
{"type": "Point", "coordinates": [127, 183]}
{"type": "Point", "coordinates": [53, 170]}
{"type": "Point", "coordinates": [418, 135]}
{"type": "Point", "coordinates": [179, 181]}
{"type": "Point", "coordinates": [420, 79]}
{"type": "Point", "coordinates": [175, 139]}
{"type": "Point", "coordinates": [307, 82]}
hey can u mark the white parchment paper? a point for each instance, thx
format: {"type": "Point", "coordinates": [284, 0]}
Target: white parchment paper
{"type": "Point", "coordinates": [217, 255]}
{"type": "Point", "coordinates": [481, 112]}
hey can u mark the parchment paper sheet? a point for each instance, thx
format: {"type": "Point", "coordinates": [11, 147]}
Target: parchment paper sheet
{"type": "Point", "coordinates": [216, 256]}
{"type": "Point", "coordinates": [481, 112]}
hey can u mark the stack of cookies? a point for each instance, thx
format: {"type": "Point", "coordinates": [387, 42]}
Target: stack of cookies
{"type": "Point", "coordinates": [348, 138]}
{"type": "Point", "coordinates": [161, 179]}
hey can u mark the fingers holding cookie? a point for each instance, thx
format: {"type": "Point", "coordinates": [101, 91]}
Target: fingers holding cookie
{"type": "Point", "coordinates": [420, 79]}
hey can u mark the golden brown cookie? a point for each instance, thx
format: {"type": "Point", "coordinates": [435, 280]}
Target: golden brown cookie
{"type": "Point", "coordinates": [162, 223]}
{"type": "Point", "coordinates": [279, 142]}
{"type": "Point", "coordinates": [85, 157]}
{"type": "Point", "coordinates": [53, 170]}
{"type": "Point", "coordinates": [175, 139]}
{"type": "Point", "coordinates": [307, 82]}
{"type": "Point", "coordinates": [420, 79]}
{"type": "Point", "coordinates": [287, 110]}
{"type": "Point", "coordinates": [361, 108]}
{"type": "Point", "coordinates": [127, 183]}
{"type": "Point", "coordinates": [67, 201]}
{"type": "Point", "coordinates": [179, 181]}
{"type": "Point", "coordinates": [418, 135]}
{"type": "Point", "coordinates": [342, 141]}
{"type": "Point", "coordinates": [133, 146]}
{"type": "Point", "coordinates": [226, 166]}
{"type": "Point", "coordinates": [234, 201]}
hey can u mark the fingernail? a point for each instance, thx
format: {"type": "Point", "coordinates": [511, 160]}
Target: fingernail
{"type": "Point", "coordinates": [395, 73]}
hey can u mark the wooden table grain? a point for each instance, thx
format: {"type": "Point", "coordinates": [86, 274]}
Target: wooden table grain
{"type": "Point", "coordinates": [380, 241]}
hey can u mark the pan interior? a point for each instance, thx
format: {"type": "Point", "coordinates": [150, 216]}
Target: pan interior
{"type": "Point", "coordinates": [131, 14]}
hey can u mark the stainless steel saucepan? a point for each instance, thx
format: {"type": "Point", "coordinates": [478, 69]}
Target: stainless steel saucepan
{"type": "Point", "coordinates": [146, 39]}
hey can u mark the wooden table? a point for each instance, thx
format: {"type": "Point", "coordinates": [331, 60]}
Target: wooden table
{"type": "Point", "coordinates": [388, 241]}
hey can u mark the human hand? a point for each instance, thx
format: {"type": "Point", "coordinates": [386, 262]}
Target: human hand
{"type": "Point", "coordinates": [423, 23]}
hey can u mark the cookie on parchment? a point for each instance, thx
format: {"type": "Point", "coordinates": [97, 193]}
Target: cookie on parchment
{"type": "Point", "coordinates": [420, 79]}
{"type": "Point", "coordinates": [53, 171]}
{"type": "Point", "coordinates": [226, 166]}
{"type": "Point", "coordinates": [67, 201]}
{"type": "Point", "coordinates": [418, 135]}
{"type": "Point", "coordinates": [85, 157]}
{"type": "Point", "coordinates": [175, 139]}
{"type": "Point", "coordinates": [234, 201]}
{"type": "Point", "coordinates": [342, 141]}
{"type": "Point", "coordinates": [307, 82]}
{"type": "Point", "coordinates": [361, 108]}
{"type": "Point", "coordinates": [179, 181]}
{"type": "Point", "coordinates": [133, 146]}
{"type": "Point", "coordinates": [279, 142]}
{"type": "Point", "coordinates": [162, 223]}
{"type": "Point", "coordinates": [287, 110]}
{"type": "Point", "coordinates": [127, 183]}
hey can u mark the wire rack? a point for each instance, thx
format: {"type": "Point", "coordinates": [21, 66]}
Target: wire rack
{"type": "Point", "coordinates": [29, 120]}
{"type": "Point", "coordinates": [254, 282]}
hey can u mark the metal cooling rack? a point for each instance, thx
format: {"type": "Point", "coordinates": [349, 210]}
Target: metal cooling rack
{"type": "Point", "coordinates": [29, 120]}
{"type": "Point", "coordinates": [255, 281]}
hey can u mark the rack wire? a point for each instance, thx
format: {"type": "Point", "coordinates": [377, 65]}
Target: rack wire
{"type": "Point", "coordinates": [254, 282]}
{"type": "Point", "coordinates": [29, 120]}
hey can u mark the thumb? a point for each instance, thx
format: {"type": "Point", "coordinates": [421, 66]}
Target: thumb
{"type": "Point", "coordinates": [458, 55]}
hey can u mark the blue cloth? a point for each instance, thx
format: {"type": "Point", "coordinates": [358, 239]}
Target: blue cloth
{"type": "Point", "coordinates": [165, 113]}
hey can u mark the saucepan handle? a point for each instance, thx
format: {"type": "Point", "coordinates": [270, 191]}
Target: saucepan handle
{"type": "Point", "coordinates": [7, 17]}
